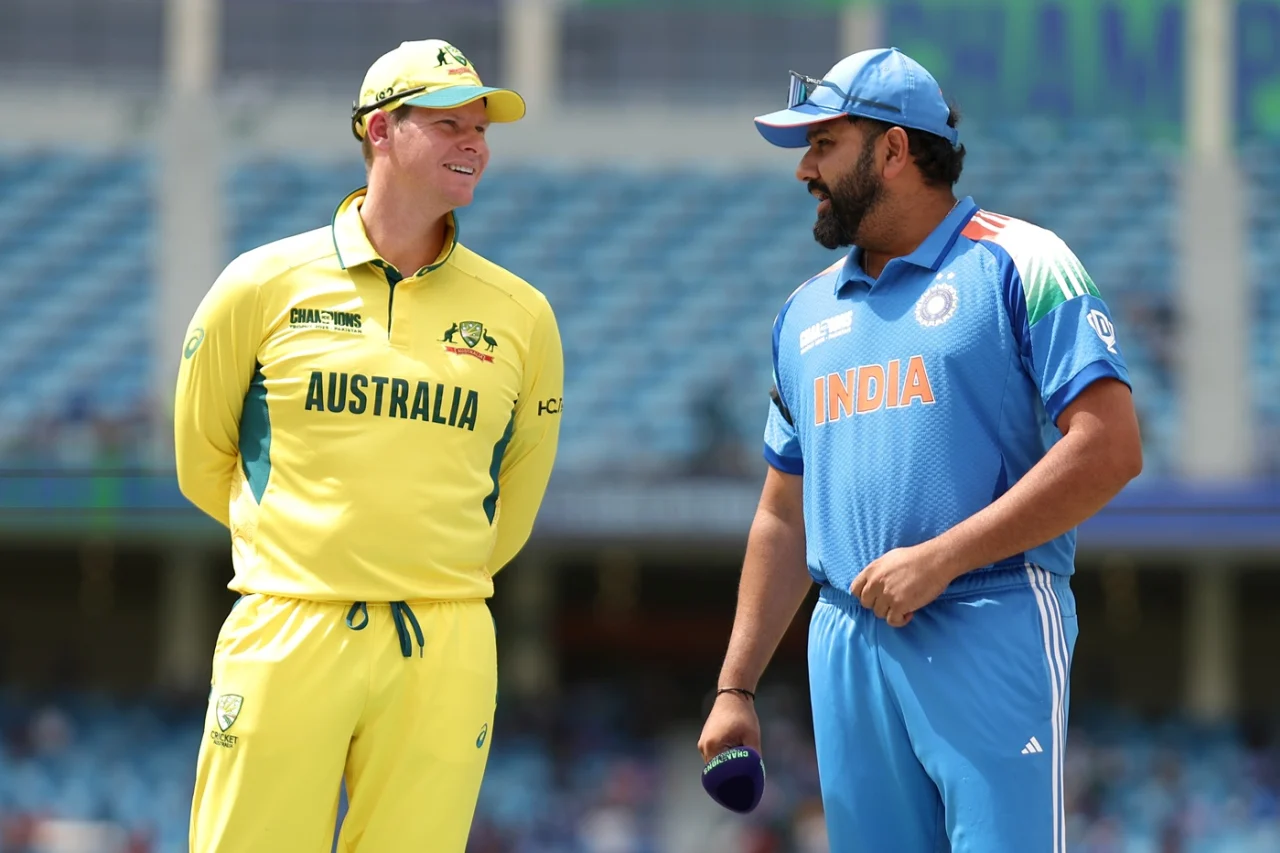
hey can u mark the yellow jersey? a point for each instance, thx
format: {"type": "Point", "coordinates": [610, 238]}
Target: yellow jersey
{"type": "Point", "coordinates": [367, 436]}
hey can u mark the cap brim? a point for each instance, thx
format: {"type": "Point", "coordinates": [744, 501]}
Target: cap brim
{"type": "Point", "coordinates": [790, 128]}
{"type": "Point", "coordinates": [503, 105]}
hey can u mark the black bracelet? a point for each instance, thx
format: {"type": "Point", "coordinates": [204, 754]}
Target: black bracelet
{"type": "Point", "coordinates": [739, 690]}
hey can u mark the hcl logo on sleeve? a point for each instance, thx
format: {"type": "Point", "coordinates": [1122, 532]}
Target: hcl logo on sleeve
{"type": "Point", "coordinates": [870, 388]}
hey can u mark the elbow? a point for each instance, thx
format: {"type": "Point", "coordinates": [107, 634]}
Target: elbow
{"type": "Point", "coordinates": [182, 458]}
{"type": "Point", "coordinates": [1128, 445]}
{"type": "Point", "coordinates": [1133, 462]}
{"type": "Point", "coordinates": [186, 485]}
{"type": "Point", "coordinates": [503, 554]}
{"type": "Point", "coordinates": [205, 484]}
{"type": "Point", "coordinates": [188, 478]}
{"type": "Point", "coordinates": [511, 537]}
{"type": "Point", "coordinates": [1106, 424]}
{"type": "Point", "coordinates": [183, 476]}
{"type": "Point", "coordinates": [189, 486]}
{"type": "Point", "coordinates": [1122, 461]}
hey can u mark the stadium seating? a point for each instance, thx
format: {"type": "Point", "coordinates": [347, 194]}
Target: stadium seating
{"type": "Point", "coordinates": [589, 782]}
{"type": "Point", "coordinates": [665, 283]}
{"type": "Point", "coordinates": [1261, 167]}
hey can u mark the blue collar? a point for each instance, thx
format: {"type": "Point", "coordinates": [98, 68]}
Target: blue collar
{"type": "Point", "coordinates": [928, 254]}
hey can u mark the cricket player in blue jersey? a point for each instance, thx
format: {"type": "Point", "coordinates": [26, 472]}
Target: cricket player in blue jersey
{"type": "Point", "coordinates": [951, 401]}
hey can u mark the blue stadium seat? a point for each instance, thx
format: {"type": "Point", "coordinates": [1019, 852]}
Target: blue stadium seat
{"type": "Point", "coordinates": [663, 281]}
{"type": "Point", "coordinates": [132, 765]}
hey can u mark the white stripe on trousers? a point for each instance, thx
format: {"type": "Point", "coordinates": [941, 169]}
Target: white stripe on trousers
{"type": "Point", "coordinates": [1055, 649]}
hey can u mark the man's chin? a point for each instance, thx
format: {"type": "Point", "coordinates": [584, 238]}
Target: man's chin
{"type": "Point", "coordinates": [828, 233]}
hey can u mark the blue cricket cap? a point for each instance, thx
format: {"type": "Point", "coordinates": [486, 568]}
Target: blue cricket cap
{"type": "Point", "coordinates": [883, 84]}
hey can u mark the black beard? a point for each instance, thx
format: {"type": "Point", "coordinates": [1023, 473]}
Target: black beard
{"type": "Point", "coordinates": [852, 198]}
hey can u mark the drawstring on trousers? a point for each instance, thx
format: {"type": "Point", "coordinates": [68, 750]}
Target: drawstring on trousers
{"type": "Point", "coordinates": [400, 612]}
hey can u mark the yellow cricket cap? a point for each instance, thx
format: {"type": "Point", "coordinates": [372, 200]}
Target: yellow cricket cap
{"type": "Point", "coordinates": [429, 73]}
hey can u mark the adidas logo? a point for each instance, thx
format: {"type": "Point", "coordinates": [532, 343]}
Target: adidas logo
{"type": "Point", "coordinates": [1033, 746]}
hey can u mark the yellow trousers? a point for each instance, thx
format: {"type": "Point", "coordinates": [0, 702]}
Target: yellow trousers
{"type": "Point", "coordinates": [398, 699]}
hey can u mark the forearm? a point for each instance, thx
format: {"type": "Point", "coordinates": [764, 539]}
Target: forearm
{"type": "Point", "coordinates": [528, 460]}
{"type": "Point", "coordinates": [1075, 479]}
{"type": "Point", "coordinates": [523, 485]}
{"type": "Point", "coordinates": [774, 583]}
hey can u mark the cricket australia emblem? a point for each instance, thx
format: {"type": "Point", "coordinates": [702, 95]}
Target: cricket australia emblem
{"type": "Point", "coordinates": [472, 333]}
{"type": "Point", "coordinates": [225, 711]}
{"type": "Point", "coordinates": [228, 709]}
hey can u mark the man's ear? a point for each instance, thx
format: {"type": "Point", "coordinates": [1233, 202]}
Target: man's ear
{"type": "Point", "coordinates": [377, 126]}
{"type": "Point", "coordinates": [896, 151]}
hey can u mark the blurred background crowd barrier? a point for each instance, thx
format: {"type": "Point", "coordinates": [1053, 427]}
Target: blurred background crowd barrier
{"type": "Point", "coordinates": [146, 142]}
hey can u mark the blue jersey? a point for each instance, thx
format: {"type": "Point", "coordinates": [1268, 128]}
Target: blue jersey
{"type": "Point", "coordinates": [912, 401]}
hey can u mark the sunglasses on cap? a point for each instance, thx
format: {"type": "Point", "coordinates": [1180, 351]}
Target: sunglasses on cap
{"type": "Point", "coordinates": [358, 112]}
{"type": "Point", "coordinates": [801, 88]}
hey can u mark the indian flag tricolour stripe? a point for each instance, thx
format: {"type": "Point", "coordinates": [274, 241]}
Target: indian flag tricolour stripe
{"type": "Point", "coordinates": [1050, 272]}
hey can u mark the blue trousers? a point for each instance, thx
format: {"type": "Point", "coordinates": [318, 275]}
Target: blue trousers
{"type": "Point", "coordinates": [947, 735]}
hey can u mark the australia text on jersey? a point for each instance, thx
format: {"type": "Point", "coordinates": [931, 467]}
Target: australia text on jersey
{"type": "Point", "coordinates": [433, 402]}
{"type": "Point", "coordinates": [870, 388]}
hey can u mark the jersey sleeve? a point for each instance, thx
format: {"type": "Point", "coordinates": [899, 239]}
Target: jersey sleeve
{"type": "Point", "coordinates": [523, 467]}
{"type": "Point", "coordinates": [219, 358]}
{"type": "Point", "coordinates": [781, 441]}
{"type": "Point", "coordinates": [1065, 331]}
{"type": "Point", "coordinates": [781, 444]}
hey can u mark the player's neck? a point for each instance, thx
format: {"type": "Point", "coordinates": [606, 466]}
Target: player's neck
{"type": "Point", "coordinates": [406, 233]}
{"type": "Point", "coordinates": [926, 213]}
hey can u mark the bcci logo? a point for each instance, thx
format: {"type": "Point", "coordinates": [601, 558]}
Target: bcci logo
{"type": "Point", "coordinates": [938, 304]}
{"type": "Point", "coordinates": [472, 333]}
{"type": "Point", "coordinates": [228, 709]}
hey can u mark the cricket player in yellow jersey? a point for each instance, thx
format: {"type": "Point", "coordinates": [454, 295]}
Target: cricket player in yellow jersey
{"type": "Point", "coordinates": [373, 411]}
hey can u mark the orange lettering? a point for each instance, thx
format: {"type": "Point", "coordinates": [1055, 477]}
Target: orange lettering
{"type": "Point", "coordinates": [819, 401]}
{"type": "Point", "coordinates": [916, 386]}
{"type": "Point", "coordinates": [895, 367]}
{"type": "Point", "coordinates": [839, 395]}
{"type": "Point", "coordinates": [868, 400]}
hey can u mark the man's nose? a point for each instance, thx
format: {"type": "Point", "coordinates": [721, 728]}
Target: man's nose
{"type": "Point", "coordinates": [806, 169]}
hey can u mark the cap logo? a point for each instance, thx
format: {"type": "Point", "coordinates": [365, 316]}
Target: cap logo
{"type": "Point", "coordinates": [449, 52]}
